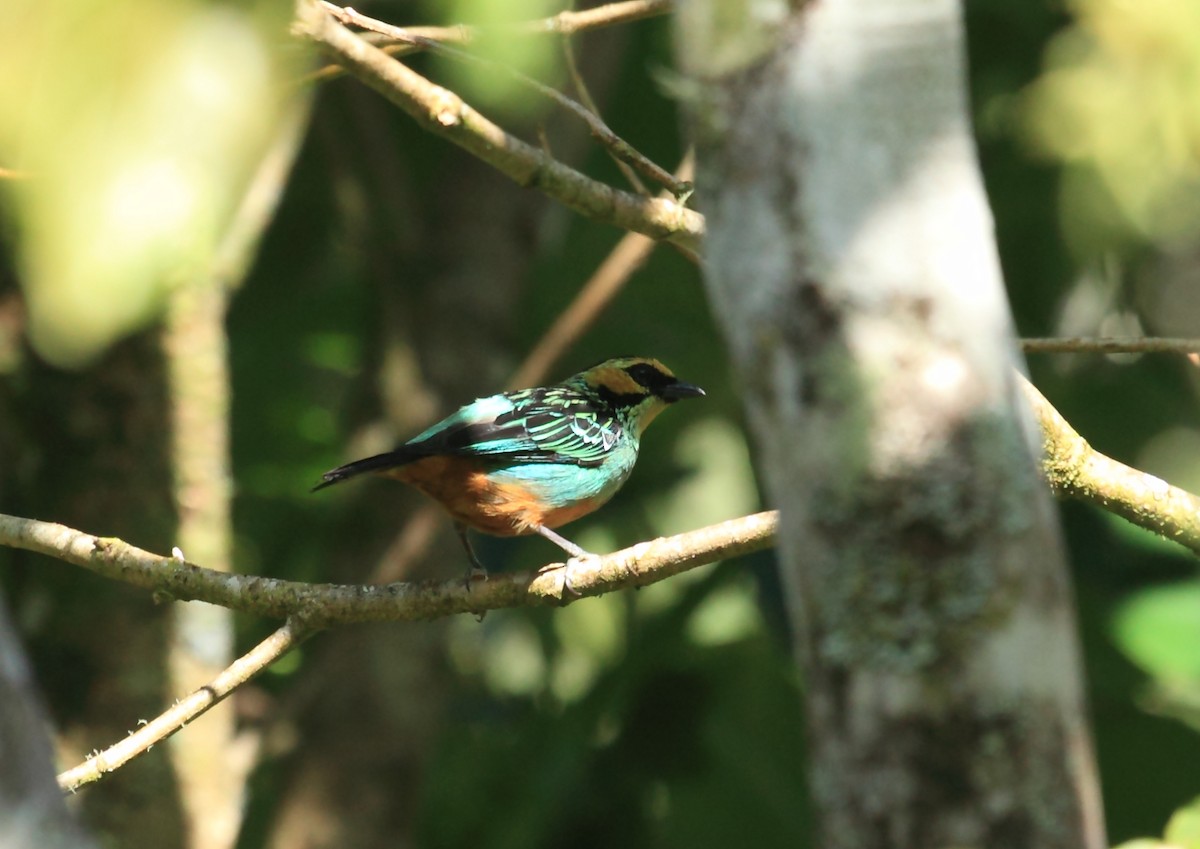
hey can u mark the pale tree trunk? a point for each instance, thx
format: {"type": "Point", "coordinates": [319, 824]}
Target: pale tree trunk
{"type": "Point", "coordinates": [850, 258]}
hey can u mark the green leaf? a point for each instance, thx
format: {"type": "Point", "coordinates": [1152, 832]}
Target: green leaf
{"type": "Point", "coordinates": [1159, 630]}
{"type": "Point", "coordinates": [1183, 829]}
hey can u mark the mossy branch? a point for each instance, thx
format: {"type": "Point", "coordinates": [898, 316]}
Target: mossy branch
{"type": "Point", "coordinates": [322, 605]}
{"type": "Point", "coordinates": [1076, 470]}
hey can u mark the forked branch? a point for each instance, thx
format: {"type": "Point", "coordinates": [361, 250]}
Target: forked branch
{"type": "Point", "coordinates": [446, 114]}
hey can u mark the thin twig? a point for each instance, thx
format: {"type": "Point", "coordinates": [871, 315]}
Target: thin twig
{"type": "Point", "coordinates": [617, 147]}
{"type": "Point", "coordinates": [571, 21]}
{"type": "Point", "coordinates": [1109, 345]}
{"type": "Point", "coordinates": [245, 668]}
{"type": "Point", "coordinates": [446, 114]}
{"type": "Point", "coordinates": [585, 97]}
{"type": "Point", "coordinates": [564, 23]}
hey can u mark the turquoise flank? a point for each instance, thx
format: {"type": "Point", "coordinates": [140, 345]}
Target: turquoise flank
{"type": "Point", "coordinates": [563, 484]}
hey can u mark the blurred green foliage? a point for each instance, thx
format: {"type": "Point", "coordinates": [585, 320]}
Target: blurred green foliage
{"type": "Point", "coordinates": [490, 86]}
{"type": "Point", "coordinates": [136, 126]}
{"type": "Point", "coordinates": [1117, 103]}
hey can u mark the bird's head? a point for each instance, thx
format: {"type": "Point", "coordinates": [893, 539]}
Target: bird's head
{"type": "Point", "coordinates": [637, 388]}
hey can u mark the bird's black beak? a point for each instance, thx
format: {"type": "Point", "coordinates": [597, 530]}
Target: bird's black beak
{"type": "Point", "coordinates": [678, 390]}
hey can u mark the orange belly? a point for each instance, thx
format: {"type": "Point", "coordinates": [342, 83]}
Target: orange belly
{"type": "Point", "coordinates": [461, 485]}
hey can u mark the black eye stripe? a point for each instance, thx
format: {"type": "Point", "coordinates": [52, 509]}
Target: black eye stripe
{"type": "Point", "coordinates": [649, 377]}
{"type": "Point", "coordinates": [616, 401]}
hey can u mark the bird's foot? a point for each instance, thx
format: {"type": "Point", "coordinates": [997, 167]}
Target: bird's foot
{"type": "Point", "coordinates": [586, 561]}
{"type": "Point", "coordinates": [476, 573]}
{"type": "Point", "coordinates": [579, 557]}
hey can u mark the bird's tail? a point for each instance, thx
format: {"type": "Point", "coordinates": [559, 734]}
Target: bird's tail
{"type": "Point", "coordinates": [390, 460]}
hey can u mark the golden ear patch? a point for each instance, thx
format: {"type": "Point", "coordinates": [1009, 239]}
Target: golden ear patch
{"type": "Point", "coordinates": [660, 367]}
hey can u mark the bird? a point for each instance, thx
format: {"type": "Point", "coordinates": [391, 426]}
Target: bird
{"type": "Point", "coordinates": [532, 460]}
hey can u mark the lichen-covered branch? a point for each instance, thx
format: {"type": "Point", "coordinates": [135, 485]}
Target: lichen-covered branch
{"type": "Point", "coordinates": [445, 113]}
{"type": "Point", "coordinates": [322, 605]}
{"type": "Point", "coordinates": [1074, 469]}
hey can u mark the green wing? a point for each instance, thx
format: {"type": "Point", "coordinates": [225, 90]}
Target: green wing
{"type": "Point", "coordinates": [556, 424]}
{"type": "Point", "coordinates": [583, 437]}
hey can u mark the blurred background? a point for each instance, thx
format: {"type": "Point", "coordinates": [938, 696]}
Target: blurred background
{"type": "Point", "coordinates": [199, 241]}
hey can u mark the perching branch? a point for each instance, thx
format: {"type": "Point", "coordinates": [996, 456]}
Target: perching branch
{"type": "Point", "coordinates": [313, 606]}
{"type": "Point", "coordinates": [322, 605]}
{"type": "Point", "coordinates": [445, 113]}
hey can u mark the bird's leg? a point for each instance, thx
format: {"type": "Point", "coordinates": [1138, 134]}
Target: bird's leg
{"type": "Point", "coordinates": [562, 542]}
{"type": "Point", "coordinates": [570, 548]}
{"type": "Point", "coordinates": [477, 571]}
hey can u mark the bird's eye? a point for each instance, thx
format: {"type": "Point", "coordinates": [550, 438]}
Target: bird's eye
{"type": "Point", "coordinates": [648, 376]}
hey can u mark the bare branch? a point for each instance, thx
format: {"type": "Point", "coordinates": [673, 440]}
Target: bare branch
{"type": "Point", "coordinates": [246, 667]}
{"type": "Point", "coordinates": [565, 23]}
{"type": "Point", "coordinates": [585, 97]}
{"type": "Point", "coordinates": [629, 254]}
{"type": "Point", "coordinates": [1109, 345]}
{"type": "Point", "coordinates": [322, 605]}
{"type": "Point", "coordinates": [571, 22]}
{"type": "Point", "coordinates": [446, 114]}
{"type": "Point", "coordinates": [617, 147]}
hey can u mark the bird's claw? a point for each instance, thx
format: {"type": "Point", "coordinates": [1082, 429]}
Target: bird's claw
{"type": "Point", "coordinates": [475, 573]}
{"type": "Point", "coordinates": [579, 561]}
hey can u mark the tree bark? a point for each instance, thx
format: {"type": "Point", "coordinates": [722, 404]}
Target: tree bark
{"type": "Point", "coordinates": [851, 261]}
